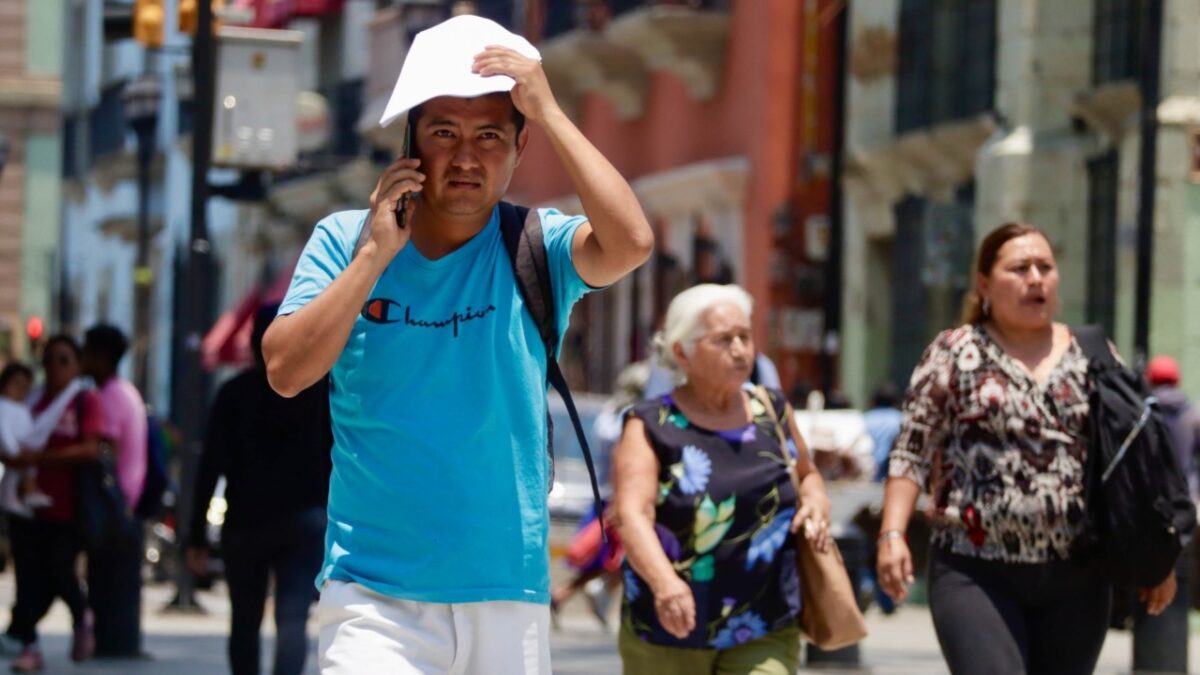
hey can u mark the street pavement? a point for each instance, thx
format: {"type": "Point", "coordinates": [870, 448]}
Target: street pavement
{"type": "Point", "coordinates": [901, 644]}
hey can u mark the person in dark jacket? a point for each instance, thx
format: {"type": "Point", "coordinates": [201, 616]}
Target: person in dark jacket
{"type": "Point", "coordinates": [274, 455]}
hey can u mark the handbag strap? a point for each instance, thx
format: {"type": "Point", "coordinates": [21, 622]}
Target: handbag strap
{"type": "Point", "coordinates": [764, 397]}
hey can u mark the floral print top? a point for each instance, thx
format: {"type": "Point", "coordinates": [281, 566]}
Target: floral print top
{"type": "Point", "coordinates": [724, 505]}
{"type": "Point", "coordinates": [1001, 455]}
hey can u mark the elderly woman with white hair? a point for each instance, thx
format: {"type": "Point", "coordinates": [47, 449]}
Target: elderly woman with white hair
{"type": "Point", "coordinates": [706, 508]}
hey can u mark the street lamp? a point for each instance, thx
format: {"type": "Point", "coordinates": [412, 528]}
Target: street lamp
{"type": "Point", "coordinates": [140, 100]}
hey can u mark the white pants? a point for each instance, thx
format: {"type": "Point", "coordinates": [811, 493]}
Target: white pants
{"type": "Point", "coordinates": [365, 632]}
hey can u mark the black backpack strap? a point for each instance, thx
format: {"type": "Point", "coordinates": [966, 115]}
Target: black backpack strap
{"type": "Point", "coordinates": [1094, 343]}
{"type": "Point", "coordinates": [527, 249]}
{"type": "Point", "coordinates": [521, 229]}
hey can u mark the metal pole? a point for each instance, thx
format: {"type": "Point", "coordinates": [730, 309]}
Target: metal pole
{"type": "Point", "coordinates": [142, 276]}
{"type": "Point", "coordinates": [1160, 644]}
{"type": "Point", "coordinates": [197, 310]}
{"type": "Point", "coordinates": [831, 343]}
{"type": "Point", "coordinates": [1151, 51]}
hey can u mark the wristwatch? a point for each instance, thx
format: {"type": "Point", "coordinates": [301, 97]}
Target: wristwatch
{"type": "Point", "coordinates": [889, 535]}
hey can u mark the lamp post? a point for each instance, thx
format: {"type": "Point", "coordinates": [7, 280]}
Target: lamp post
{"type": "Point", "coordinates": [141, 103]}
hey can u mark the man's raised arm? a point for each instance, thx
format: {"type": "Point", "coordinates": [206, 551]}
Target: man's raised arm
{"type": "Point", "coordinates": [616, 239]}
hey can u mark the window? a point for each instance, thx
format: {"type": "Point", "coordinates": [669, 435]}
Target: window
{"type": "Point", "coordinates": [1102, 241]}
{"type": "Point", "coordinates": [908, 310]}
{"type": "Point", "coordinates": [947, 61]}
{"type": "Point", "coordinates": [933, 251]}
{"type": "Point", "coordinates": [1117, 35]}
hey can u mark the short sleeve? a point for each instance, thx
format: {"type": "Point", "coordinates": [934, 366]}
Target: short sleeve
{"type": "Point", "coordinates": [327, 253]}
{"type": "Point", "coordinates": [558, 233]}
{"type": "Point", "coordinates": [925, 424]}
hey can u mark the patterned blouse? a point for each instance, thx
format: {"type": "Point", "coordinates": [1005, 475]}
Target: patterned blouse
{"type": "Point", "coordinates": [1001, 455]}
{"type": "Point", "coordinates": [725, 502]}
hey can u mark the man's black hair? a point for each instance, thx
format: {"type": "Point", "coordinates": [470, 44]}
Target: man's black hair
{"type": "Point", "coordinates": [108, 341]}
{"type": "Point", "coordinates": [14, 369]}
{"type": "Point", "coordinates": [518, 117]}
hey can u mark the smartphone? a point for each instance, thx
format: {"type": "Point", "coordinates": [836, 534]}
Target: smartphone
{"type": "Point", "coordinates": [406, 150]}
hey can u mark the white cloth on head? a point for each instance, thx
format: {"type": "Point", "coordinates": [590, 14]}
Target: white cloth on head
{"type": "Point", "coordinates": [365, 632]}
{"type": "Point", "coordinates": [439, 63]}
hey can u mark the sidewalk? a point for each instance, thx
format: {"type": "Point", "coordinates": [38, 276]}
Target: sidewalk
{"type": "Point", "coordinates": [901, 644]}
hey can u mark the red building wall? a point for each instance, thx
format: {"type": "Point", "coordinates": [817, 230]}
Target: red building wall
{"type": "Point", "coordinates": [754, 115]}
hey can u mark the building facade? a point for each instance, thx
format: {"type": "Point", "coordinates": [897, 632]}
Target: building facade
{"type": "Point", "coordinates": [31, 54]}
{"type": "Point", "coordinates": [980, 112]}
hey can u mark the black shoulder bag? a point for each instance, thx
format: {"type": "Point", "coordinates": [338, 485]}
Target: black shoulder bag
{"type": "Point", "coordinates": [1140, 516]}
{"type": "Point", "coordinates": [106, 522]}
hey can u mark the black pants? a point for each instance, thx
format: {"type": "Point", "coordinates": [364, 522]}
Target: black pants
{"type": "Point", "coordinates": [44, 556]}
{"type": "Point", "coordinates": [115, 595]}
{"type": "Point", "coordinates": [1007, 618]}
{"type": "Point", "coordinates": [290, 550]}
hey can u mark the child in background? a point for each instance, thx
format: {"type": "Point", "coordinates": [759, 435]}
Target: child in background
{"type": "Point", "coordinates": [21, 432]}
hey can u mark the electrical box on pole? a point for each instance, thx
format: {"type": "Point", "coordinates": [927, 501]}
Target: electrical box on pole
{"type": "Point", "coordinates": [254, 111]}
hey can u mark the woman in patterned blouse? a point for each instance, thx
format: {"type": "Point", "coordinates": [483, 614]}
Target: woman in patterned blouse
{"type": "Point", "coordinates": [706, 508]}
{"type": "Point", "coordinates": [995, 428]}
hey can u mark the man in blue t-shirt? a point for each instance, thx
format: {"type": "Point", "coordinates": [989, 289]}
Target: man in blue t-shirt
{"type": "Point", "coordinates": [436, 551]}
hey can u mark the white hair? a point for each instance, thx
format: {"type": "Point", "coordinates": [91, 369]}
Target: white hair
{"type": "Point", "coordinates": [683, 324]}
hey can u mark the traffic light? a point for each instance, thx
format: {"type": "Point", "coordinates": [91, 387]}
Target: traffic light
{"type": "Point", "coordinates": [189, 14]}
{"type": "Point", "coordinates": [35, 330]}
{"type": "Point", "coordinates": [149, 22]}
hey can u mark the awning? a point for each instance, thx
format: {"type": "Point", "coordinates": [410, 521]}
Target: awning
{"type": "Point", "coordinates": [227, 343]}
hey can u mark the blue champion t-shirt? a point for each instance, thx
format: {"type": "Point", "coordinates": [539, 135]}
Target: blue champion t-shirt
{"type": "Point", "coordinates": [440, 471]}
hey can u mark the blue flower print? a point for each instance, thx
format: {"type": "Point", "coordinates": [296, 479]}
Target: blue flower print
{"type": "Point", "coordinates": [669, 541]}
{"type": "Point", "coordinates": [740, 629]}
{"type": "Point", "coordinates": [632, 590]}
{"type": "Point", "coordinates": [767, 540]}
{"type": "Point", "coordinates": [693, 471]}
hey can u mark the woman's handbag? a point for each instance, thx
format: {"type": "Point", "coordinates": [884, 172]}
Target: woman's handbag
{"type": "Point", "coordinates": [829, 614]}
{"type": "Point", "coordinates": [105, 521]}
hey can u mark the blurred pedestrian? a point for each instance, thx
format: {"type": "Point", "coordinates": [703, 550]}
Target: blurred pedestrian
{"type": "Point", "coordinates": [436, 549]}
{"type": "Point", "coordinates": [19, 493]}
{"type": "Point", "coordinates": [597, 563]}
{"type": "Point", "coordinates": [706, 507]}
{"type": "Point", "coordinates": [1160, 642]}
{"type": "Point", "coordinates": [1182, 416]}
{"type": "Point", "coordinates": [274, 455]}
{"type": "Point", "coordinates": [882, 421]}
{"type": "Point", "coordinates": [114, 573]}
{"type": "Point", "coordinates": [995, 427]}
{"type": "Point", "coordinates": [45, 548]}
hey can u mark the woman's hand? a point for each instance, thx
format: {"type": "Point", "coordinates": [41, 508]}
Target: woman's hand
{"type": "Point", "coordinates": [893, 567]}
{"type": "Point", "coordinates": [813, 516]}
{"type": "Point", "coordinates": [1160, 596]}
{"type": "Point", "coordinates": [676, 607]}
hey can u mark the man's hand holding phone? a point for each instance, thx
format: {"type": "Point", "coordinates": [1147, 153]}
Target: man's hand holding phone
{"type": "Point", "coordinates": [398, 181]}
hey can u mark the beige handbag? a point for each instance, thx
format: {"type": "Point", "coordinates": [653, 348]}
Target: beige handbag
{"type": "Point", "coordinates": [829, 614]}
